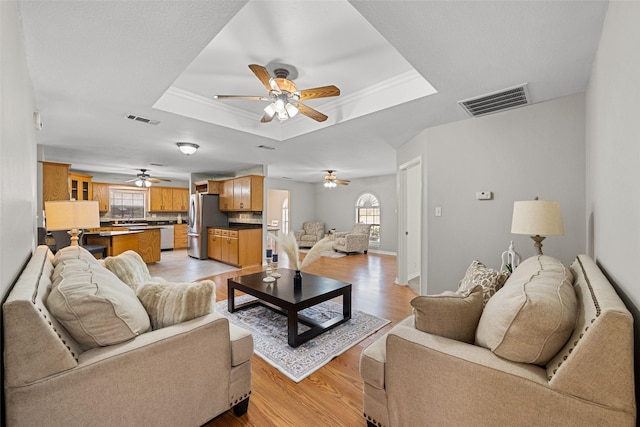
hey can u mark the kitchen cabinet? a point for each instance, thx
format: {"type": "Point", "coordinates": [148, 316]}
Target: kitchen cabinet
{"type": "Point", "coordinates": [100, 192]}
{"type": "Point", "coordinates": [180, 199]}
{"type": "Point", "coordinates": [208, 187]}
{"type": "Point", "coordinates": [242, 248]}
{"type": "Point", "coordinates": [243, 194]}
{"type": "Point", "coordinates": [180, 236]}
{"type": "Point", "coordinates": [168, 199]}
{"type": "Point", "coordinates": [226, 196]}
{"type": "Point", "coordinates": [80, 186]}
{"type": "Point", "coordinates": [149, 245]}
{"type": "Point", "coordinates": [55, 181]}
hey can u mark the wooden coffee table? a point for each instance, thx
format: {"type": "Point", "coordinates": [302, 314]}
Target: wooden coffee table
{"type": "Point", "coordinates": [281, 296]}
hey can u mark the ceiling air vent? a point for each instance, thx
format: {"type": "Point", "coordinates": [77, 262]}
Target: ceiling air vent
{"type": "Point", "coordinates": [497, 101]}
{"type": "Point", "coordinates": [141, 119]}
{"type": "Point", "coordinates": [266, 147]}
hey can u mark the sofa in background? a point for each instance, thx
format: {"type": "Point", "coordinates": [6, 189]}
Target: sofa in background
{"type": "Point", "coordinates": [121, 374]}
{"type": "Point", "coordinates": [553, 346]}
{"type": "Point", "coordinates": [356, 240]}
{"type": "Point", "coordinates": [312, 232]}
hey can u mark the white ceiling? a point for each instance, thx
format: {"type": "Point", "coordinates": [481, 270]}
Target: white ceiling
{"type": "Point", "coordinates": [93, 62]}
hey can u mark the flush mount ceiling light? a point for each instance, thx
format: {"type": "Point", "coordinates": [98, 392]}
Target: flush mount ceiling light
{"type": "Point", "coordinates": [187, 148]}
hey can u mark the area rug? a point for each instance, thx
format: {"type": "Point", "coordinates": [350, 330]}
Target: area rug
{"type": "Point", "coordinates": [270, 335]}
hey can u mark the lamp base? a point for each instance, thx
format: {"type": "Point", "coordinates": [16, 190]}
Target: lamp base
{"type": "Point", "coordinates": [538, 242]}
{"type": "Point", "coordinates": [74, 232]}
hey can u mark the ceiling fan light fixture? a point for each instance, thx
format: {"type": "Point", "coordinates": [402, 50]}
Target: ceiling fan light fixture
{"type": "Point", "coordinates": [330, 184]}
{"type": "Point", "coordinates": [138, 182]}
{"type": "Point", "coordinates": [292, 110]}
{"type": "Point", "coordinates": [187, 148]}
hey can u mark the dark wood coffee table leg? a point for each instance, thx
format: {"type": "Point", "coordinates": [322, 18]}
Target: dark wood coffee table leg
{"type": "Point", "coordinates": [292, 328]}
{"type": "Point", "coordinates": [231, 306]}
{"type": "Point", "coordinates": [346, 304]}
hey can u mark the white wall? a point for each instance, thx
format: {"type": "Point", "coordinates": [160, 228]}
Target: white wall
{"type": "Point", "coordinates": [531, 151]}
{"type": "Point", "coordinates": [336, 207]}
{"type": "Point", "coordinates": [18, 167]}
{"type": "Point", "coordinates": [613, 156]}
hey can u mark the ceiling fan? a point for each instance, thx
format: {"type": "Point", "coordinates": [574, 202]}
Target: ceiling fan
{"type": "Point", "coordinates": [143, 179]}
{"type": "Point", "coordinates": [284, 96]}
{"type": "Point", "coordinates": [330, 180]}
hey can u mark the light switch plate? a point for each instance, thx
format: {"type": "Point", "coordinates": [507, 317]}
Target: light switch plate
{"type": "Point", "coordinates": [484, 195]}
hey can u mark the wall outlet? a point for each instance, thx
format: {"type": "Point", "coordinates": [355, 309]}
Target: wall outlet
{"type": "Point", "coordinates": [484, 195]}
{"type": "Point", "coordinates": [438, 211]}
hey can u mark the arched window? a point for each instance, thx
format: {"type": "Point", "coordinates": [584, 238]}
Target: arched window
{"type": "Point", "coordinates": [368, 212]}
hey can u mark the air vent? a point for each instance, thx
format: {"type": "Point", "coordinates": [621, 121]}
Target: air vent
{"type": "Point", "coordinates": [498, 101]}
{"type": "Point", "coordinates": [266, 147]}
{"type": "Point", "coordinates": [157, 164]}
{"type": "Point", "coordinates": [141, 119]}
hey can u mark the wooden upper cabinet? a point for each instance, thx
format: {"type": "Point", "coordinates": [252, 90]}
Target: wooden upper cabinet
{"type": "Point", "coordinates": [208, 187]}
{"type": "Point", "coordinates": [55, 181]}
{"type": "Point", "coordinates": [80, 186]}
{"type": "Point", "coordinates": [181, 199]}
{"type": "Point", "coordinates": [168, 199]}
{"type": "Point", "coordinates": [226, 196]}
{"type": "Point", "coordinates": [101, 194]}
{"type": "Point", "coordinates": [243, 194]}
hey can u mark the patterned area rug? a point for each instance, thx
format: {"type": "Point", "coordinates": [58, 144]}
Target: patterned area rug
{"type": "Point", "coordinates": [270, 335]}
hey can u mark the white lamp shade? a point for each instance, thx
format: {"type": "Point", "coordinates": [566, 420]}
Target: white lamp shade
{"type": "Point", "coordinates": [70, 214]}
{"type": "Point", "coordinates": [537, 217]}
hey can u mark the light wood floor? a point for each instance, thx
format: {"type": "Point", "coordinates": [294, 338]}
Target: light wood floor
{"type": "Point", "coordinates": [332, 396]}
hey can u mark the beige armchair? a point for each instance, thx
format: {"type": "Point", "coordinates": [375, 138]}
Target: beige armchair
{"type": "Point", "coordinates": [311, 232]}
{"type": "Point", "coordinates": [356, 240]}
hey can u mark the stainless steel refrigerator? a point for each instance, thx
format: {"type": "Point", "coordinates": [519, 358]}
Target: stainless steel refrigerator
{"type": "Point", "coordinates": [204, 212]}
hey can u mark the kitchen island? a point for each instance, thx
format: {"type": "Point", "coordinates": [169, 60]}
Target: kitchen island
{"type": "Point", "coordinates": [146, 242]}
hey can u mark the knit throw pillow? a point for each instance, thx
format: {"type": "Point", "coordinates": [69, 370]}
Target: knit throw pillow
{"type": "Point", "coordinates": [478, 274]}
{"type": "Point", "coordinates": [171, 303]}
{"type": "Point", "coordinates": [130, 268]}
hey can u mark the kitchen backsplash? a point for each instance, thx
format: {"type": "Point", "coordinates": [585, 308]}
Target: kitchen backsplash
{"type": "Point", "coordinates": [245, 217]}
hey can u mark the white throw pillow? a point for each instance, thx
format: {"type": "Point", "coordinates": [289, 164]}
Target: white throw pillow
{"type": "Point", "coordinates": [130, 268]}
{"type": "Point", "coordinates": [171, 303]}
{"type": "Point", "coordinates": [533, 315]}
{"type": "Point", "coordinates": [96, 307]}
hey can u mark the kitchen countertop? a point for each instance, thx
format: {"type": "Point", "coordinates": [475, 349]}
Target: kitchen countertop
{"type": "Point", "coordinates": [113, 233]}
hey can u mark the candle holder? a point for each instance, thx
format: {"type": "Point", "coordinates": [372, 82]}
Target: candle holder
{"type": "Point", "coordinates": [274, 266]}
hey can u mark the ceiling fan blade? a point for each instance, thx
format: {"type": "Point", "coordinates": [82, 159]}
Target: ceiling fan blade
{"type": "Point", "coordinates": [319, 92]}
{"type": "Point", "coordinates": [262, 74]}
{"type": "Point", "coordinates": [131, 180]}
{"type": "Point", "coordinates": [250, 98]}
{"type": "Point", "coordinates": [157, 180]}
{"type": "Point", "coordinates": [311, 113]}
{"type": "Point", "coordinates": [342, 181]}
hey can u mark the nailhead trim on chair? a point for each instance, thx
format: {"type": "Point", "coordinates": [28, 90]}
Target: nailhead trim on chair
{"type": "Point", "coordinates": [371, 420]}
{"type": "Point", "coordinates": [234, 403]}
{"type": "Point", "coordinates": [598, 312]}
{"type": "Point", "coordinates": [44, 316]}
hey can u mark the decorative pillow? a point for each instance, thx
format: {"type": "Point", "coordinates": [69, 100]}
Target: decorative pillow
{"type": "Point", "coordinates": [478, 274]}
{"type": "Point", "coordinates": [533, 315]}
{"type": "Point", "coordinates": [74, 252]}
{"type": "Point", "coordinates": [451, 315]}
{"type": "Point", "coordinates": [96, 307]}
{"type": "Point", "coordinates": [130, 268]}
{"type": "Point", "coordinates": [171, 303]}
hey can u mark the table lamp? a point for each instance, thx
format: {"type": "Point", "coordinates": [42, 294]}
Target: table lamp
{"type": "Point", "coordinates": [538, 219]}
{"type": "Point", "coordinates": [72, 215]}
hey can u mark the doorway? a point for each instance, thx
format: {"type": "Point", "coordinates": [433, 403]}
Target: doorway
{"type": "Point", "coordinates": [278, 210]}
{"type": "Point", "coordinates": [410, 225]}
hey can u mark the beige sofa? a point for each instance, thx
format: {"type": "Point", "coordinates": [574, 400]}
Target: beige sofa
{"type": "Point", "coordinates": [414, 378]}
{"type": "Point", "coordinates": [185, 374]}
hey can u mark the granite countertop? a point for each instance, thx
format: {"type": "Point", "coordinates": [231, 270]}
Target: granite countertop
{"type": "Point", "coordinates": [237, 226]}
{"type": "Point", "coordinates": [113, 233]}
